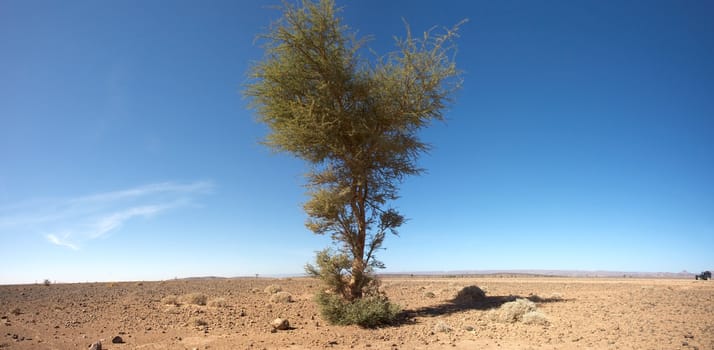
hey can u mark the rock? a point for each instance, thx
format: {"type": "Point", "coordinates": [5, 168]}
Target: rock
{"type": "Point", "coordinates": [117, 340]}
{"type": "Point", "coordinates": [280, 324]}
{"type": "Point", "coordinates": [96, 346]}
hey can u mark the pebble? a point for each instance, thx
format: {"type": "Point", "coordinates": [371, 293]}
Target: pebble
{"type": "Point", "coordinates": [117, 340]}
{"type": "Point", "coordinates": [280, 324]}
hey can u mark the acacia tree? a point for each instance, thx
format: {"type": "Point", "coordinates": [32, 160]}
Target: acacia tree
{"type": "Point", "coordinates": [355, 120]}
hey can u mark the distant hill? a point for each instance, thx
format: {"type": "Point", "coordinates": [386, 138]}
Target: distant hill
{"type": "Point", "coordinates": [549, 273]}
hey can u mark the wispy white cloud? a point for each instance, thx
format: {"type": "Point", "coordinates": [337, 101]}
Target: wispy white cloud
{"type": "Point", "coordinates": [113, 221]}
{"type": "Point", "coordinates": [73, 222]}
{"type": "Point", "coordinates": [200, 187]}
{"type": "Point", "coordinates": [61, 242]}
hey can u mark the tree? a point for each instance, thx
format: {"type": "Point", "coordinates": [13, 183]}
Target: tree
{"type": "Point", "coordinates": [355, 121]}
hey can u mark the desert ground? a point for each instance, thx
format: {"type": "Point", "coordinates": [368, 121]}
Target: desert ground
{"type": "Point", "coordinates": [574, 313]}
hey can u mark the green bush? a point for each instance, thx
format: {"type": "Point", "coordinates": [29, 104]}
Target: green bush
{"type": "Point", "coordinates": [368, 312]}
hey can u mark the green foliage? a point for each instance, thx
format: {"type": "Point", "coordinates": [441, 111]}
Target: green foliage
{"type": "Point", "coordinates": [356, 121]}
{"type": "Point", "coordinates": [369, 311]}
{"type": "Point", "coordinates": [332, 268]}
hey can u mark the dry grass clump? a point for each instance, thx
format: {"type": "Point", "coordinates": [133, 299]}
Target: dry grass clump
{"type": "Point", "coordinates": [520, 310]}
{"type": "Point", "coordinates": [469, 295]}
{"type": "Point", "coordinates": [218, 302]}
{"type": "Point", "coordinates": [534, 317]}
{"type": "Point", "coordinates": [442, 327]}
{"type": "Point", "coordinates": [195, 298]}
{"type": "Point", "coordinates": [273, 288]}
{"type": "Point", "coordinates": [170, 300]}
{"type": "Point", "coordinates": [281, 297]}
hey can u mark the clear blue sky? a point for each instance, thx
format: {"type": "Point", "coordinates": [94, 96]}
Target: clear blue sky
{"type": "Point", "coordinates": [583, 138]}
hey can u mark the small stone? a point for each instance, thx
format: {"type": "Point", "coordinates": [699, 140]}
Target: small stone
{"type": "Point", "coordinates": [96, 346]}
{"type": "Point", "coordinates": [280, 324]}
{"type": "Point", "coordinates": [117, 340]}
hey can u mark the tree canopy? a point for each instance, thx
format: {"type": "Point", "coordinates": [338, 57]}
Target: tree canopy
{"type": "Point", "coordinates": [355, 118]}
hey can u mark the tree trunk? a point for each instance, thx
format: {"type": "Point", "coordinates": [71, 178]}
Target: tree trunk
{"type": "Point", "coordinates": [357, 280]}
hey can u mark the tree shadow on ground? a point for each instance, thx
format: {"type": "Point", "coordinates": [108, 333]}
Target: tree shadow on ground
{"type": "Point", "coordinates": [454, 306]}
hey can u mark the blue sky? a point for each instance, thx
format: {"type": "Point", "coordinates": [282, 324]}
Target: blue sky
{"type": "Point", "coordinates": [583, 138]}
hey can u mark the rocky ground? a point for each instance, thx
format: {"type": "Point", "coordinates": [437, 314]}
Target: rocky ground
{"type": "Point", "coordinates": [572, 313]}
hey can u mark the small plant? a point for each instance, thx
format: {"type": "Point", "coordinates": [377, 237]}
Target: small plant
{"type": "Point", "coordinates": [369, 311]}
{"type": "Point", "coordinates": [442, 327]}
{"type": "Point", "coordinates": [218, 302]}
{"type": "Point", "coordinates": [469, 295]}
{"type": "Point", "coordinates": [534, 317]}
{"type": "Point", "coordinates": [195, 298]}
{"type": "Point", "coordinates": [273, 288]}
{"type": "Point", "coordinates": [170, 300]}
{"type": "Point", "coordinates": [281, 297]}
{"type": "Point", "coordinates": [513, 311]}
{"type": "Point", "coordinates": [47, 283]}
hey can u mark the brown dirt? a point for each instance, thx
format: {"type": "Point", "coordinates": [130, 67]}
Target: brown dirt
{"type": "Point", "coordinates": [581, 314]}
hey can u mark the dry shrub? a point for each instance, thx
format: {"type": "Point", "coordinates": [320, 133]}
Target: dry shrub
{"type": "Point", "coordinates": [218, 302]}
{"type": "Point", "coordinates": [442, 327]}
{"type": "Point", "coordinates": [273, 288]}
{"type": "Point", "coordinates": [513, 311]}
{"type": "Point", "coordinates": [534, 317]}
{"type": "Point", "coordinates": [195, 298]}
{"type": "Point", "coordinates": [469, 295]}
{"type": "Point", "coordinates": [170, 300]}
{"type": "Point", "coordinates": [281, 297]}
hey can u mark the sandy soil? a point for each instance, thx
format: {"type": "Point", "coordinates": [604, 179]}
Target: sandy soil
{"type": "Point", "coordinates": [581, 314]}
